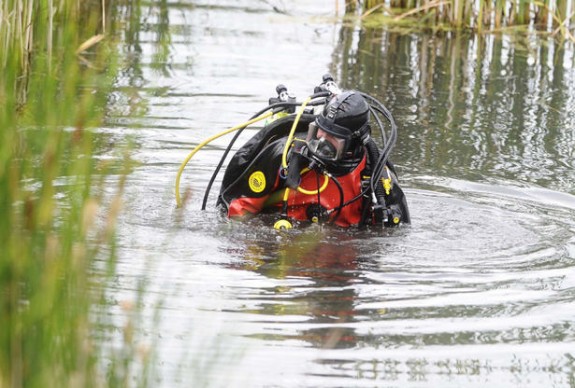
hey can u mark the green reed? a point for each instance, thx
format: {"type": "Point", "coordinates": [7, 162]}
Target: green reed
{"type": "Point", "coordinates": [56, 225]}
{"type": "Point", "coordinates": [546, 15]}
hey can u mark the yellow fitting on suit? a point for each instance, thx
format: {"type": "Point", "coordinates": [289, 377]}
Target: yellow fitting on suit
{"type": "Point", "coordinates": [282, 225]}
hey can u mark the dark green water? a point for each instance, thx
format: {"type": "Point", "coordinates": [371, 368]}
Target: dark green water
{"type": "Point", "coordinates": [478, 291]}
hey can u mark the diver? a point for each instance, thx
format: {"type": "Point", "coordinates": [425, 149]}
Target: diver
{"type": "Point", "coordinates": [318, 161]}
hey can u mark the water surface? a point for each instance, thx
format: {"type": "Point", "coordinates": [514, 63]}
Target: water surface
{"type": "Point", "coordinates": [479, 290]}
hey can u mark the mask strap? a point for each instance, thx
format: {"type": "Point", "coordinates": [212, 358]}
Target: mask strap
{"type": "Point", "coordinates": [332, 108]}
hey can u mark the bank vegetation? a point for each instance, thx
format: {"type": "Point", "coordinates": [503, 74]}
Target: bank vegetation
{"type": "Point", "coordinates": [550, 16]}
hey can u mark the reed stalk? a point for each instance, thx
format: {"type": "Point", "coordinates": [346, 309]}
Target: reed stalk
{"type": "Point", "coordinates": [523, 12]}
{"type": "Point", "coordinates": [457, 13]}
{"type": "Point", "coordinates": [481, 15]}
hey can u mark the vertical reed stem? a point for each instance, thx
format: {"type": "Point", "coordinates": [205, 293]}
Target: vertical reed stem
{"type": "Point", "coordinates": [480, 16]}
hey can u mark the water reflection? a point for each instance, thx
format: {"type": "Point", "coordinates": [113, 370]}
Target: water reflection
{"type": "Point", "coordinates": [330, 263]}
{"type": "Point", "coordinates": [471, 106]}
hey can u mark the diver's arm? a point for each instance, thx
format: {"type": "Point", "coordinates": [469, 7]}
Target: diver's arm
{"type": "Point", "coordinates": [247, 192]}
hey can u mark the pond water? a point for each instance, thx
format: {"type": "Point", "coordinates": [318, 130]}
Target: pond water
{"type": "Point", "coordinates": [479, 290]}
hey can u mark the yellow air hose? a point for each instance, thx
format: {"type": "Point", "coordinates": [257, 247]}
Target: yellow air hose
{"type": "Point", "coordinates": [313, 192]}
{"type": "Point", "coordinates": [209, 140]}
{"type": "Point", "coordinates": [292, 132]}
{"type": "Point", "coordinates": [284, 157]}
{"type": "Point", "coordinates": [283, 223]}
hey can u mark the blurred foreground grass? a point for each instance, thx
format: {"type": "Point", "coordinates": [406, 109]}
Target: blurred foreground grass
{"type": "Point", "coordinates": [57, 220]}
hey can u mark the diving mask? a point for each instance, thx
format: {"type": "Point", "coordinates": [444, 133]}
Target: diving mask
{"type": "Point", "coordinates": [323, 145]}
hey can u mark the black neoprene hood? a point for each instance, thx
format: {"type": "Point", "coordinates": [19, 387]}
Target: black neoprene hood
{"type": "Point", "coordinates": [345, 114]}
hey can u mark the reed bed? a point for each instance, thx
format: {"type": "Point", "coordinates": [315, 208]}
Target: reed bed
{"type": "Point", "coordinates": [553, 16]}
{"type": "Point", "coordinates": [57, 225]}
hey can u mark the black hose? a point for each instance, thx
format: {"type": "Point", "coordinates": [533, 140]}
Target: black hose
{"type": "Point", "coordinates": [389, 142]}
{"type": "Point", "coordinates": [376, 185]}
{"type": "Point", "coordinates": [219, 166]}
{"type": "Point", "coordinates": [282, 105]}
{"type": "Point", "coordinates": [379, 124]}
{"type": "Point", "coordinates": [341, 199]}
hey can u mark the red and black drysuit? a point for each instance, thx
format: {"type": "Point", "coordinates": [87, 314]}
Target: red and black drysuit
{"type": "Point", "coordinates": [254, 182]}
